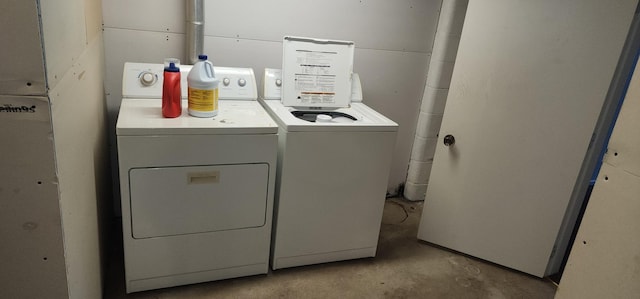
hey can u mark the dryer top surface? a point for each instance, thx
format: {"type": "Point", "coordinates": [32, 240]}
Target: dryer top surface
{"type": "Point", "coordinates": [144, 117]}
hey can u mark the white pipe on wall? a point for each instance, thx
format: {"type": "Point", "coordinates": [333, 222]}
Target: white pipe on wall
{"type": "Point", "coordinates": [445, 48]}
{"type": "Point", "coordinates": [195, 30]}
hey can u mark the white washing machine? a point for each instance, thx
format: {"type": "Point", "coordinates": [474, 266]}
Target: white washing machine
{"type": "Point", "coordinates": [197, 193]}
{"type": "Point", "coordinates": [334, 160]}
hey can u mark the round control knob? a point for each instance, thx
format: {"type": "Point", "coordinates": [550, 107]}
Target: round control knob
{"type": "Point", "coordinates": [226, 81]}
{"type": "Point", "coordinates": [147, 78]}
{"type": "Point", "coordinates": [278, 82]}
{"type": "Point", "coordinates": [242, 82]}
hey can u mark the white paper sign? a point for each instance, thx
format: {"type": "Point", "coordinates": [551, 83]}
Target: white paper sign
{"type": "Point", "coordinates": [316, 73]}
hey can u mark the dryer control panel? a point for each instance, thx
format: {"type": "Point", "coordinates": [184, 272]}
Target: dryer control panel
{"type": "Point", "coordinates": [144, 80]}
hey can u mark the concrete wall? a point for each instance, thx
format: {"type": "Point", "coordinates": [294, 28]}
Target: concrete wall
{"type": "Point", "coordinates": [79, 118]}
{"type": "Point", "coordinates": [30, 226]}
{"type": "Point", "coordinates": [73, 47]}
{"type": "Point", "coordinates": [393, 46]}
{"type": "Point", "coordinates": [22, 72]}
{"type": "Point", "coordinates": [30, 223]}
{"type": "Point", "coordinates": [55, 178]}
{"type": "Point", "coordinates": [605, 258]}
{"type": "Point", "coordinates": [443, 57]}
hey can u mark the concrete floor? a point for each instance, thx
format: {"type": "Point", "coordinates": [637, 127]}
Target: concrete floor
{"type": "Point", "coordinates": [403, 268]}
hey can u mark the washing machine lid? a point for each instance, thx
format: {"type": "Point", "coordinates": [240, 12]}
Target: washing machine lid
{"type": "Point", "coordinates": [316, 72]}
{"type": "Point", "coordinates": [143, 117]}
{"type": "Point", "coordinates": [367, 119]}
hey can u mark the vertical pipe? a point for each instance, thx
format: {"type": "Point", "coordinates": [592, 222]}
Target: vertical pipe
{"type": "Point", "coordinates": [195, 30]}
{"type": "Point", "coordinates": [443, 56]}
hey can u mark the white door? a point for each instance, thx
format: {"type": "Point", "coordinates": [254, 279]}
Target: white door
{"type": "Point", "coordinates": [528, 85]}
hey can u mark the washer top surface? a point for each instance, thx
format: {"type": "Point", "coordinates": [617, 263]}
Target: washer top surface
{"type": "Point", "coordinates": [366, 119]}
{"type": "Point", "coordinates": [144, 117]}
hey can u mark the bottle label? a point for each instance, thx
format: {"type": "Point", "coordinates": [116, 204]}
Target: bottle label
{"type": "Point", "coordinates": [203, 100]}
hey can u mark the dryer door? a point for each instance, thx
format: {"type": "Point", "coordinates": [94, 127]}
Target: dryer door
{"type": "Point", "coordinates": [170, 201]}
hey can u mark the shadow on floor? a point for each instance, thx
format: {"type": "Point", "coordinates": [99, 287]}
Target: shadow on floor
{"type": "Point", "coordinates": [403, 268]}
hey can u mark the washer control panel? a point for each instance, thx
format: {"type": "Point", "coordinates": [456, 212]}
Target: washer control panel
{"type": "Point", "coordinates": [144, 80]}
{"type": "Point", "coordinates": [272, 85]}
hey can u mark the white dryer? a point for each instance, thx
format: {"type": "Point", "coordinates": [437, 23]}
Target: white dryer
{"type": "Point", "coordinates": [197, 193]}
{"type": "Point", "coordinates": [334, 159]}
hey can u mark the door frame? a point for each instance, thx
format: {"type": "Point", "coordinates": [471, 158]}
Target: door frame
{"type": "Point", "coordinates": [597, 146]}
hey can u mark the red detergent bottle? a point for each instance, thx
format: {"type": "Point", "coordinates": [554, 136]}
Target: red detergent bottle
{"type": "Point", "coordinates": [171, 93]}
